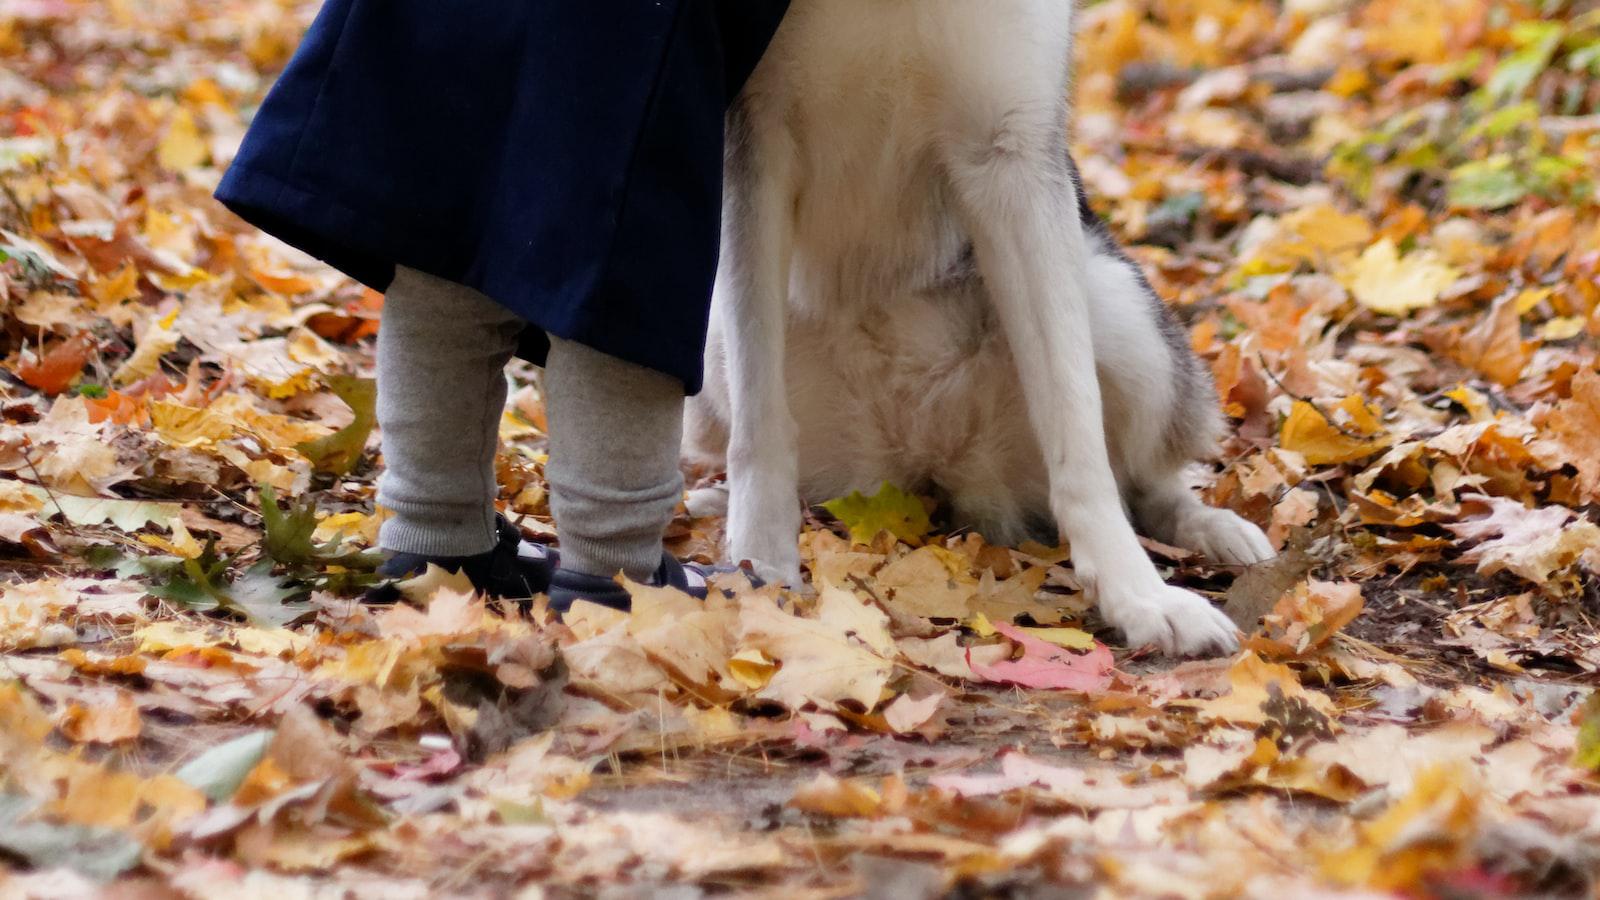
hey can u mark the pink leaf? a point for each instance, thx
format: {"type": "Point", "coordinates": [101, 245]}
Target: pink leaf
{"type": "Point", "coordinates": [1046, 666]}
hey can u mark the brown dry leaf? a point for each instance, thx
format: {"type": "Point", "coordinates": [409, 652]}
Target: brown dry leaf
{"type": "Point", "coordinates": [1575, 425]}
{"type": "Point", "coordinates": [1534, 543]}
{"type": "Point", "coordinates": [825, 662]}
{"type": "Point", "coordinates": [1495, 346]}
{"type": "Point", "coordinates": [693, 639]}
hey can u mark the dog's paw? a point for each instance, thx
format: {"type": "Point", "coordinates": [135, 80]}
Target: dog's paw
{"type": "Point", "coordinates": [707, 501]}
{"type": "Point", "coordinates": [770, 542]}
{"type": "Point", "coordinates": [1222, 536]}
{"type": "Point", "coordinates": [1177, 621]}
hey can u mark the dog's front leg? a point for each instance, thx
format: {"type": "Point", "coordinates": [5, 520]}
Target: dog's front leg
{"type": "Point", "coordinates": [1018, 198]}
{"type": "Point", "coordinates": [752, 298]}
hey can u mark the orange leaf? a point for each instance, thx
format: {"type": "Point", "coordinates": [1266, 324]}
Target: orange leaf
{"type": "Point", "coordinates": [55, 371]}
{"type": "Point", "coordinates": [102, 723]}
{"type": "Point", "coordinates": [119, 408]}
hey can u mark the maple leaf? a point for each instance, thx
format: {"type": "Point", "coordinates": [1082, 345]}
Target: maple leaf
{"type": "Point", "coordinates": [1323, 441]}
{"type": "Point", "coordinates": [1575, 424]}
{"type": "Point", "coordinates": [289, 538]}
{"type": "Point", "coordinates": [1425, 832]}
{"type": "Point", "coordinates": [1253, 684]}
{"type": "Point", "coordinates": [828, 796]}
{"type": "Point", "coordinates": [1533, 542]}
{"type": "Point", "coordinates": [53, 372]}
{"type": "Point", "coordinates": [1384, 282]}
{"type": "Point", "coordinates": [1046, 666]}
{"type": "Point", "coordinates": [182, 148]}
{"type": "Point", "coordinates": [338, 453]}
{"type": "Point", "coordinates": [102, 723]}
{"type": "Point", "coordinates": [1307, 617]}
{"type": "Point", "coordinates": [1495, 346]}
{"type": "Point", "coordinates": [834, 659]}
{"type": "Point", "coordinates": [890, 509]}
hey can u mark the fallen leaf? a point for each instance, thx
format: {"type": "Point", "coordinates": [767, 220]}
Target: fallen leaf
{"type": "Point", "coordinates": [819, 662]}
{"type": "Point", "coordinates": [890, 509]}
{"type": "Point", "coordinates": [1046, 666]}
{"type": "Point", "coordinates": [826, 795]}
{"type": "Point", "coordinates": [1325, 440]}
{"type": "Point", "coordinates": [1384, 282]}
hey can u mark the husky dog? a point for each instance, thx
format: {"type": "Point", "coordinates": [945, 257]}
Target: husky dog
{"type": "Point", "coordinates": [914, 290]}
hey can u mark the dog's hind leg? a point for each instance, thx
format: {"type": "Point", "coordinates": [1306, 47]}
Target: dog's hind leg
{"type": "Point", "coordinates": [1161, 415]}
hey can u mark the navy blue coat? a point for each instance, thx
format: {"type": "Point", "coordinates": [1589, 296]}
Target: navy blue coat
{"type": "Point", "coordinates": [562, 156]}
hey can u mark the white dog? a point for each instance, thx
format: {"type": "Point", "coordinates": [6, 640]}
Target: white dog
{"type": "Point", "coordinates": [914, 290]}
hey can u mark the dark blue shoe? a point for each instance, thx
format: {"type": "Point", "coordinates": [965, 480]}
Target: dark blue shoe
{"type": "Point", "coordinates": [514, 569]}
{"type": "Point", "coordinates": [567, 588]}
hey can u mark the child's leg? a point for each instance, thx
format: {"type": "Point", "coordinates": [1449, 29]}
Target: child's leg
{"type": "Point", "coordinates": [442, 353]}
{"type": "Point", "coordinates": [615, 431]}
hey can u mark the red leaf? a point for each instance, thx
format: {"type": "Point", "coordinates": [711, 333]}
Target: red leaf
{"type": "Point", "coordinates": [1048, 667]}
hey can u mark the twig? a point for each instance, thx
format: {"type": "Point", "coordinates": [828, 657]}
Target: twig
{"type": "Point", "coordinates": [65, 519]}
{"type": "Point", "coordinates": [1364, 438]}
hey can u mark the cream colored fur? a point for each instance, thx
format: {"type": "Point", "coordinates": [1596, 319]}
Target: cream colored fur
{"type": "Point", "coordinates": [910, 293]}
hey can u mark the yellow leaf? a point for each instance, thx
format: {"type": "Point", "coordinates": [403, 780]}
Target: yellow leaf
{"type": "Point", "coordinates": [981, 626]}
{"type": "Point", "coordinates": [1430, 830]}
{"type": "Point", "coordinates": [159, 339]}
{"type": "Point", "coordinates": [751, 668]}
{"type": "Point", "coordinates": [163, 637]}
{"type": "Point", "coordinates": [185, 426]}
{"type": "Point", "coordinates": [1309, 432]}
{"type": "Point", "coordinates": [181, 147]}
{"type": "Point", "coordinates": [891, 509]}
{"type": "Point", "coordinates": [1384, 282]}
{"type": "Point", "coordinates": [1253, 683]}
{"type": "Point", "coordinates": [120, 287]}
{"type": "Point", "coordinates": [181, 544]}
{"type": "Point", "coordinates": [1065, 638]}
{"type": "Point", "coordinates": [1561, 328]}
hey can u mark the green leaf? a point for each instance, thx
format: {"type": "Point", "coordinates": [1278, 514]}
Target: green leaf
{"type": "Point", "coordinates": [258, 595]}
{"type": "Point", "coordinates": [1517, 72]}
{"type": "Point", "coordinates": [339, 452]}
{"type": "Point", "coordinates": [98, 853]}
{"type": "Point", "coordinates": [289, 539]}
{"type": "Point", "coordinates": [197, 584]}
{"type": "Point", "coordinates": [891, 509]}
{"type": "Point", "coordinates": [218, 772]}
{"type": "Point", "coordinates": [1487, 184]}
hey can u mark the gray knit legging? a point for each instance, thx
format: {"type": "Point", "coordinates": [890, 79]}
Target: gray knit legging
{"type": "Point", "coordinates": [615, 430]}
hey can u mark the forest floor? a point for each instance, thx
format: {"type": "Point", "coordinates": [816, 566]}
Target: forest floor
{"type": "Point", "coordinates": [1380, 222]}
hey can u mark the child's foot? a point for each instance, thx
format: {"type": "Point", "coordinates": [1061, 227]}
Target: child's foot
{"type": "Point", "coordinates": [567, 587]}
{"type": "Point", "coordinates": [513, 568]}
